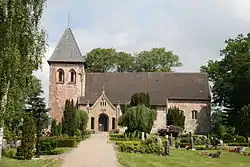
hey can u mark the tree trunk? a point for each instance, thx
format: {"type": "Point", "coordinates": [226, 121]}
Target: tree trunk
{"type": "Point", "coordinates": [3, 108]}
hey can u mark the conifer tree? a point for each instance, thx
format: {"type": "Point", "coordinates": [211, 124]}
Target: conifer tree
{"type": "Point", "coordinates": [28, 136]}
{"type": "Point", "coordinates": [175, 117]}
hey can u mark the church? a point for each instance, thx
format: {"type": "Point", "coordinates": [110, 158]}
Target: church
{"type": "Point", "coordinates": [101, 95]}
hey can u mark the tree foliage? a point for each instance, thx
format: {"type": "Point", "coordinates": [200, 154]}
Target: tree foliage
{"type": "Point", "coordinates": [139, 118]}
{"type": "Point", "coordinates": [22, 46]}
{"type": "Point", "coordinates": [101, 60]}
{"type": "Point", "coordinates": [28, 136]}
{"type": "Point", "coordinates": [156, 59]}
{"type": "Point", "coordinates": [244, 116]}
{"type": "Point", "coordinates": [69, 121]}
{"type": "Point", "coordinates": [231, 78]}
{"type": "Point", "coordinates": [139, 99]}
{"type": "Point", "coordinates": [175, 117]}
{"type": "Point", "coordinates": [82, 120]}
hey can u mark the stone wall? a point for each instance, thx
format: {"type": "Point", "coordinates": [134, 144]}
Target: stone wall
{"type": "Point", "coordinates": [200, 125]}
{"type": "Point", "coordinates": [59, 92]}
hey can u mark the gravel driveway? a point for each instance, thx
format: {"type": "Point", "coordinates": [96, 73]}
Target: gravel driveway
{"type": "Point", "coordinates": [93, 152]}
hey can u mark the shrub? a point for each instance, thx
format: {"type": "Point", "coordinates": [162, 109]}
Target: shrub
{"type": "Point", "coordinates": [66, 143]}
{"type": "Point", "coordinates": [47, 145]}
{"type": "Point", "coordinates": [139, 118]}
{"type": "Point", "coordinates": [28, 137]}
{"type": "Point", "coordinates": [239, 144]}
{"type": "Point", "coordinates": [59, 151]}
{"type": "Point", "coordinates": [175, 117]}
{"type": "Point", "coordinates": [174, 130]}
{"type": "Point", "coordinates": [10, 152]}
{"type": "Point", "coordinates": [149, 146]}
{"type": "Point", "coordinates": [240, 139]}
{"type": "Point", "coordinates": [228, 138]}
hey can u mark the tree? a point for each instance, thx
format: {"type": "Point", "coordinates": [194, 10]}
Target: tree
{"type": "Point", "coordinates": [245, 120]}
{"type": "Point", "coordinates": [140, 98]}
{"type": "Point", "coordinates": [156, 60]}
{"type": "Point", "coordinates": [22, 46]}
{"type": "Point", "coordinates": [28, 137]}
{"type": "Point", "coordinates": [101, 60]}
{"type": "Point", "coordinates": [54, 131]}
{"type": "Point", "coordinates": [69, 122]}
{"type": "Point", "coordinates": [231, 78]}
{"type": "Point", "coordinates": [139, 119]}
{"type": "Point", "coordinates": [37, 107]}
{"type": "Point", "coordinates": [125, 62]}
{"type": "Point", "coordinates": [72, 119]}
{"type": "Point", "coordinates": [82, 120]}
{"type": "Point", "coordinates": [175, 117]}
{"type": "Point", "coordinates": [66, 116]}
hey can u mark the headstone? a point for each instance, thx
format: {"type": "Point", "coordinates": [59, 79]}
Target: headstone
{"type": "Point", "coordinates": [142, 136]}
{"type": "Point", "coordinates": [147, 136]}
{"type": "Point", "coordinates": [192, 143]}
{"type": "Point", "coordinates": [159, 141]}
{"type": "Point", "coordinates": [18, 143]}
{"type": "Point", "coordinates": [5, 144]}
{"type": "Point", "coordinates": [167, 147]}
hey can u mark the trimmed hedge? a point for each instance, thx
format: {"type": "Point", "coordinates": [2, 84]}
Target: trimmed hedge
{"type": "Point", "coordinates": [149, 146]}
{"type": "Point", "coordinates": [48, 144]}
{"type": "Point", "coordinates": [239, 144]}
{"type": "Point", "coordinates": [66, 143]}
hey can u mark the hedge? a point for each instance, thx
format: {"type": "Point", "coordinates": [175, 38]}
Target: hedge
{"type": "Point", "coordinates": [49, 144]}
{"type": "Point", "coordinates": [149, 146]}
{"type": "Point", "coordinates": [239, 144]}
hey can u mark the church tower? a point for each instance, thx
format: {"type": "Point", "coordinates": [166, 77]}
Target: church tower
{"type": "Point", "coordinates": [67, 74]}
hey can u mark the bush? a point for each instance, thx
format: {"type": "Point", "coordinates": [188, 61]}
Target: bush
{"type": "Point", "coordinates": [28, 137]}
{"type": "Point", "coordinates": [47, 145]}
{"type": "Point", "coordinates": [228, 138]}
{"type": "Point", "coordinates": [10, 152]}
{"type": "Point", "coordinates": [239, 144]}
{"type": "Point", "coordinates": [174, 130]}
{"type": "Point", "coordinates": [66, 143]}
{"type": "Point", "coordinates": [240, 139]}
{"type": "Point", "coordinates": [149, 146]}
{"type": "Point", "coordinates": [59, 151]}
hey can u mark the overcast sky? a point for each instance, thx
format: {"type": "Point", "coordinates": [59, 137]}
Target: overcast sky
{"type": "Point", "coordinates": [194, 29]}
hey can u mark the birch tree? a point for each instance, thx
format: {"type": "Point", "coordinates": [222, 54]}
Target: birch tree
{"type": "Point", "coordinates": [22, 47]}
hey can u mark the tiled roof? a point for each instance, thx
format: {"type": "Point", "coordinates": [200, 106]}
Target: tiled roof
{"type": "Point", "coordinates": [160, 86]}
{"type": "Point", "coordinates": [67, 49]}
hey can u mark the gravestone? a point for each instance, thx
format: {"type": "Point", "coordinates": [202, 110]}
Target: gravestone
{"type": "Point", "coordinates": [159, 141]}
{"type": "Point", "coordinates": [192, 143]}
{"type": "Point", "coordinates": [147, 136]}
{"type": "Point", "coordinates": [142, 136]}
{"type": "Point", "coordinates": [167, 146]}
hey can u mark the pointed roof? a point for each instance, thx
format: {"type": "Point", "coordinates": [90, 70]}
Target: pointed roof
{"type": "Point", "coordinates": [67, 49]}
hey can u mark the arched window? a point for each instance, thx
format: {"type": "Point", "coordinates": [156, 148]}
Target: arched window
{"type": "Point", "coordinates": [194, 114]}
{"type": "Point", "coordinates": [60, 74]}
{"type": "Point", "coordinates": [72, 76]}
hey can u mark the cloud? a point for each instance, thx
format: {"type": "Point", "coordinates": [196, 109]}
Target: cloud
{"type": "Point", "coordinates": [195, 29]}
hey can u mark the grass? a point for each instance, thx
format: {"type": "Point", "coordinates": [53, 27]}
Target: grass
{"type": "Point", "coordinates": [183, 158]}
{"type": "Point", "coordinates": [7, 162]}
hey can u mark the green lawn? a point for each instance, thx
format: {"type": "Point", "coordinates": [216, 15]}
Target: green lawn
{"type": "Point", "coordinates": [6, 162]}
{"type": "Point", "coordinates": [183, 158]}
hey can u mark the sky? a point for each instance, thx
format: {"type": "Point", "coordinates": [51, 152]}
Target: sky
{"type": "Point", "coordinates": [195, 30]}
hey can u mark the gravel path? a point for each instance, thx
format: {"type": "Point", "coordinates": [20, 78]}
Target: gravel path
{"type": "Point", "coordinates": [93, 152]}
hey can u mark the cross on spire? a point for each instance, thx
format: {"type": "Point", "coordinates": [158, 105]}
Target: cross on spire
{"type": "Point", "coordinates": [69, 19]}
{"type": "Point", "coordinates": [103, 91]}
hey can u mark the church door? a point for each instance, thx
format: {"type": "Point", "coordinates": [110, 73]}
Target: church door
{"type": "Point", "coordinates": [103, 122]}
